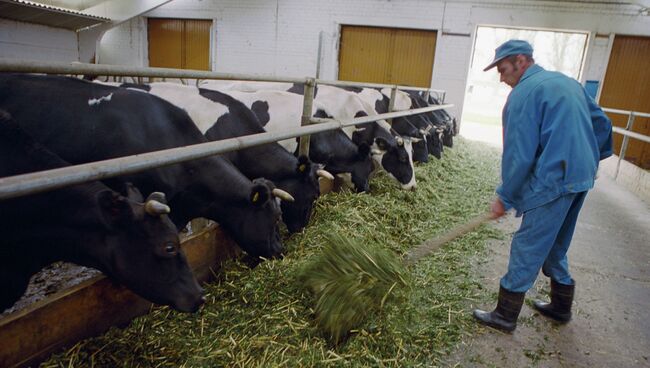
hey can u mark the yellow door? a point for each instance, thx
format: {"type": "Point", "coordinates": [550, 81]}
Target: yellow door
{"type": "Point", "coordinates": [387, 55]}
{"type": "Point", "coordinates": [627, 87]}
{"type": "Point", "coordinates": [179, 43]}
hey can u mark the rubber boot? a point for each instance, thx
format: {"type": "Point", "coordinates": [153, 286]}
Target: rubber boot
{"type": "Point", "coordinates": [560, 306]}
{"type": "Point", "coordinates": [504, 316]}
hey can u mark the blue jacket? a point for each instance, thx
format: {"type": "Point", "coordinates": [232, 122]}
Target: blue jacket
{"type": "Point", "coordinates": [554, 134]}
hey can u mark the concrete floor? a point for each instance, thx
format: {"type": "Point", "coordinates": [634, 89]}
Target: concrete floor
{"type": "Point", "coordinates": [610, 261]}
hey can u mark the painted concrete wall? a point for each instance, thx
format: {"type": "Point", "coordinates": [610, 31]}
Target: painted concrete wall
{"type": "Point", "coordinates": [25, 41]}
{"type": "Point", "coordinates": [281, 37]}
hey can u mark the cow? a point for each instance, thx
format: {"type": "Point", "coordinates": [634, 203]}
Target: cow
{"type": "Point", "coordinates": [83, 122]}
{"type": "Point", "coordinates": [446, 121]}
{"type": "Point", "coordinates": [219, 116]}
{"type": "Point", "coordinates": [131, 241]}
{"type": "Point", "coordinates": [415, 125]}
{"type": "Point", "coordinates": [434, 130]}
{"type": "Point", "coordinates": [278, 110]}
{"type": "Point", "coordinates": [390, 151]}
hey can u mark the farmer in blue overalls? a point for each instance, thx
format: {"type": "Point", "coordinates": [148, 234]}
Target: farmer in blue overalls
{"type": "Point", "coordinates": [554, 135]}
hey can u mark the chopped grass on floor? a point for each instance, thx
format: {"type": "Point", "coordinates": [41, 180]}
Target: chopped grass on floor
{"type": "Point", "coordinates": [264, 316]}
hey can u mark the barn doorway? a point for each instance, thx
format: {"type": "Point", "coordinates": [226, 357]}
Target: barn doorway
{"type": "Point", "coordinates": [387, 55]}
{"type": "Point", "coordinates": [627, 87]}
{"type": "Point", "coordinates": [179, 43]}
{"type": "Point", "coordinates": [562, 51]}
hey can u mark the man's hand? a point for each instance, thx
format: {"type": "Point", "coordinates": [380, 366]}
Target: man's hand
{"type": "Point", "coordinates": [497, 208]}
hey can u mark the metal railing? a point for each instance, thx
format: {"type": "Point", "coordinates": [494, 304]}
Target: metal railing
{"type": "Point", "coordinates": [627, 133]}
{"type": "Point", "coordinates": [36, 182]}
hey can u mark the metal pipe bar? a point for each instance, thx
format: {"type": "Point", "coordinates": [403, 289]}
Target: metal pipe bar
{"type": "Point", "coordinates": [626, 112]}
{"type": "Point", "coordinates": [634, 135]}
{"type": "Point", "coordinates": [24, 66]}
{"type": "Point", "coordinates": [18, 185]}
{"type": "Point", "coordinates": [391, 103]}
{"type": "Point", "coordinates": [389, 115]}
{"type": "Point", "coordinates": [628, 127]}
{"type": "Point", "coordinates": [308, 102]}
{"type": "Point", "coordinates": [75, 68]}
{"type": "Point", "coordinates": [373, 85]}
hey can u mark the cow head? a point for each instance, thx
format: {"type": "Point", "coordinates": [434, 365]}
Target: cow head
{"type": "Point", "coordinates": [143, 250]}
{"type": "Point", "coordinates": [253, 224]}
{"type": "Point", "coordinates": [361, 169]}
{"type": "Point", "coordinates": [394, 156]}
{"type": "Point", "coordinates": [406, 127]}
{"type": "Point", "coordinates": [434, 143]}
{"type": "Point", "coordinates": [305, 190]}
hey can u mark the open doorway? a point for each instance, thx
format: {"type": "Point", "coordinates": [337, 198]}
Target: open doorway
{"type": "Point", "coordinates": [562, 51]}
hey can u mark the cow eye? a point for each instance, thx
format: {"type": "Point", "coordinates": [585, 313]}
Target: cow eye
{"type": "Point", "coordinates": [170, 248]}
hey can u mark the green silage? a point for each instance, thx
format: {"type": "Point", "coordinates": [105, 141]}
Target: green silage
{"type": "Point", "coordinates": [266, 317]}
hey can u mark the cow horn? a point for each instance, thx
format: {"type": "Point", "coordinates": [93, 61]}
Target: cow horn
{"type": "Point", "coordinates": [324, 174]}
{"type": "Point", "coordinates": [155, 208]}
{"type": "Point", "coordinates": [285, 196]}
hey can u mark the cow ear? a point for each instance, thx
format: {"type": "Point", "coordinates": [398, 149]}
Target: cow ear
{"type": "Point", "coordinates": [260, 193]}
{"type": "Point", "coordinates": [357, 138]}
{"type": "Point", "coordinates": [382, 143]}
{"type": "Point", "coordinates": [115, 209]}
{"type": "Point", "coordinates": [132, 192]}
{"type": "Point", "coordinates": [304, 165]}
{"type": "Point", "coordinates": [364, 150]}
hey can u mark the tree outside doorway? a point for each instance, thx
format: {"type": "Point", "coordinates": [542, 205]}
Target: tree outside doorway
{"type": "Point", "coordinates": [485, 96]}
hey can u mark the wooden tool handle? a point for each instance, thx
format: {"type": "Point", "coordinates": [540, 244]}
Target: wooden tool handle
{"type": "Point", "coordinates": [434, 244]}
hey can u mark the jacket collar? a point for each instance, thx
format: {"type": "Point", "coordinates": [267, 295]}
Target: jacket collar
{"type": "Point", "coordinates": [533, 69]}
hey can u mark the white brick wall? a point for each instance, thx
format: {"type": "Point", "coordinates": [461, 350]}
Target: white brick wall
{"type": "Point", "coordinates": [25, 41]}
{"type": "Point", "coordinates": [280, 37]}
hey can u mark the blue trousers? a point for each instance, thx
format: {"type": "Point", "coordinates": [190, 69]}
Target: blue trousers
{"type": "Point", "coordinates": [542, 241]}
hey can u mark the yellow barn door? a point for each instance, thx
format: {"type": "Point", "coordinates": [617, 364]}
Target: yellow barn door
{"type": "Point", "coordinates": [179, 43]}
{"type": "Point", "coordinates": [387, 55]}
{"type": "Point", "coordinates": [627, 87]}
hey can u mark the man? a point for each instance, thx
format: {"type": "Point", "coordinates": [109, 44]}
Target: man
{"type": "Point", "coordinates": [554, 135]}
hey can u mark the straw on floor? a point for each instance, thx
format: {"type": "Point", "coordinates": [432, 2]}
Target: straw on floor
{"type": "Point", "coordinates": [352, 280]}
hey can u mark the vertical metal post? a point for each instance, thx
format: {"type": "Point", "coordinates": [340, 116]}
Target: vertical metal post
{"type": "Point", "coordinates": [308, 102]}
{"type": "Point", "coordinates": [319, 54]}
{"type": "Point", "coordinates": [391, 103]}
{"type": "Point", "coordinates": [628, 127]}
{"type": "Point", "coordinates": [426, 96]}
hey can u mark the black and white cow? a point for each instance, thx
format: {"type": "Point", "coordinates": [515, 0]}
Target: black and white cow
{"type": "Point", "coordinates": [434, 130]}
{"type": "Point", "coordinates": [279, 110]}
{"type": "Point", "coordinates": [219, 116]}
{"type": "Point", "coordinates": [131, 241]}
{"type": "Point", "coordinates": [390, 151]}
{"type": "Point", "coordinates": [415, 125]}
{"type": "Point", "coordinates": [442, 119]}
{"type": "Point", "coordinates": [83, 122]}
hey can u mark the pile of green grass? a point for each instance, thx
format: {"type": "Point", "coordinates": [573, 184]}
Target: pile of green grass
{"type": "Point", "coordinates": [266, 316]}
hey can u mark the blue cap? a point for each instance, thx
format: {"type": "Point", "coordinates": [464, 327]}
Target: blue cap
{"type": "Point", "coordinates": [508, 48]}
